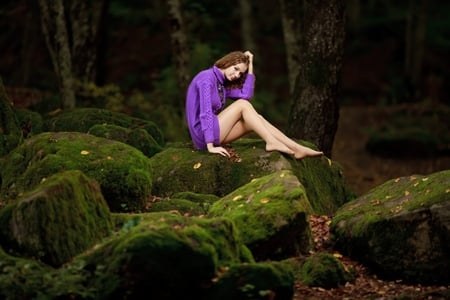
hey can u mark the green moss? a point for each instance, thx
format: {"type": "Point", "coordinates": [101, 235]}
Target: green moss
{"type": "Point", "coordinates": [182, 206]}
{"type": "Point", "coordinates": [62, 217]}
{"type": "Point", "coordinates": [82, 119]}
{"type": "Point", "coordinates": [392, 198]}
{"type": "Point", "coordinates": [324, 270]}
{"type": "Point", "coordinates": [121, 170]}
{"type": "Point", "coordinates": [158, 254]}
{"type": "Point", "coordinates": [268, 280]}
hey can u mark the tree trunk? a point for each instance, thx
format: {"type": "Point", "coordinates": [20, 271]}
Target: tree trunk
{"type": "Point", "coordinates": [180, 50]}
{"type": "Point", "coordinates": [415, 40]}
{"type": "Point", "coordinates": [290, 15]}
{"type": "Point", "coordinates": [85, 20]}
{"type": "Point", "coordinates": [55, 32]}
{"type": "Point", "coordinates": [314, 112]}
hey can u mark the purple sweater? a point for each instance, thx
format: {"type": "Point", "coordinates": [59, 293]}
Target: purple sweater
{"type": "Point", "coordinates": [205, 98]}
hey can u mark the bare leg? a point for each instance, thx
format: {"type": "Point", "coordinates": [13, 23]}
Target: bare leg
{"type": "Point", "coordinates": [300, 151]}
{"type": "Point", "coordinates": [239, 118]}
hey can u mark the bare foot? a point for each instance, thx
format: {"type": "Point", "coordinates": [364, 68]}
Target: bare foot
{"type": "Point", "coordinates": [303, 152]}
{"type": "Point", "coordinates": [280, 148]}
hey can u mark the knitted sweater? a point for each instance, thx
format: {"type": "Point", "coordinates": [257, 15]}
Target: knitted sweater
{"type": "Point", "coordinates": [205, 98]}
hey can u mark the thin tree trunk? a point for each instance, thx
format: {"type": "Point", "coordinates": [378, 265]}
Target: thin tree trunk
{"type": "Point", "coordinates": [415, 40]}
{"type": "Point", "coordinates": [290, 20]}
{"type": "Point", "coordinates": [179, 50]}
{"type": "Point", "coordinates": [248, 38]}
{"type": "Point", "coordinates": [314, 113]}
{"type": "Point", "coordinates": [55, 32]}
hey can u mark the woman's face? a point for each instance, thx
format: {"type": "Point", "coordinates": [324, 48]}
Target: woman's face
{"type": "Point", "coordinates": [235, 71]}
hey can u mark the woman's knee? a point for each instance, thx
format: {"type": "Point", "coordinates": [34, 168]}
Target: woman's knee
{"type": "Point", "coordinates": [244, 104]}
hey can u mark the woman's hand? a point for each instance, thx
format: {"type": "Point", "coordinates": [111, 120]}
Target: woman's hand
{"type": "Point", "coordinates": [219, 150]}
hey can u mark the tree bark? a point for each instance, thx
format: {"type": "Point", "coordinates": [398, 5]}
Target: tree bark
{"type": "Point", "coordinates": [85, 21]}
{"type": "Point", "coordinates": [290, 15]}
{"type": "Point", "coordinates": [56, 36]}
{"type": "Point", "coordinates": [314, 112]}
{"type": "Point", "coordinates": [180, 50]}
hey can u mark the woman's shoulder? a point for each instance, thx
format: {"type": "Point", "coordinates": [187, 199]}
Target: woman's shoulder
{"type": "Point", "coordinates": [205, 75]}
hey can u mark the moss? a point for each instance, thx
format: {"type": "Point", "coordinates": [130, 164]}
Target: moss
{"type": "Point", "coordinates": [182, 206]}
{"type": "Point", "coordinates": [157, 254]}
{"type": "Point", "coordinates": [268, 210]}
{"type": "Point", "coordinates": [62, 217]}
{"type": "Point", "coordinates": [121, 170]}
{"type": "Point", "coordinates": [138, 137]}
{"type": "Point", "coordinates": [10, 132]}
{"type": "Point", "coordinates": [30, 122]}
{"type": "Point", "coordinates": [82, 119]}
{"type": "Point", "coordinates": [392, 198]}
{"type": "Point", "coordinates": [268, 280]}
{"type": "Point", "coordinates": [324, 270]}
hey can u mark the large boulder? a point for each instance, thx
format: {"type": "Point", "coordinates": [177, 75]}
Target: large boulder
{"type": "Point", "coordinates": [121, 170]}
{"type": "Point", "coordinates": [401, 229]}
{"type": "Point", "coordinates": [163, 256]}
{"type": "Point", "coordinates": [180, 168]}
{"type": "Point", "coordinates": [269, 211]}
{"type": "Point", "coordinates": [83, 119]}
{"type": "Point", "coordinates": [62, 217]}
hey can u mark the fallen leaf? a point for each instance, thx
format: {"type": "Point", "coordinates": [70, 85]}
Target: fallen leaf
{"type": "Point", "coordinates": [197, 165]}
{"type": "Point", "coordinates": [264, 200]}
{"type": "Point", "coordinates": [84, 152]}
{"type": "Point", "coordinates": [337, 255]}
{"type": "Point", "coordinates": [329, 161]}
{"type": "Point", "coordinates": [238, 197]}
{"type": "Point", "coordinates": [425, 179]}
{"type": "Point", "coordinates": [406, 193]}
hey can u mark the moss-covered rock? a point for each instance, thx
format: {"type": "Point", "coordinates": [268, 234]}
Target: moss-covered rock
{"type": "Point", "coordinates": [30, 122]}
{"type": "Point", "coordinates": [180, 168]}
{"type": "Point", "coordinates": [163, 256]}
{"type": "Point", "coordinates": [121, 170]}
{"type": "Point", "coordinates": [22, 278]}
{"type": "Point", "coordinates": [264, 280]}
{"type": "Point", "coordinates": [83, 119]}
{"type": "Point", "coordinates": [184, 207]}
{"type": "Point", "coordinates": [324, 270]}
{"type": "Point", "coordinates": [269, 211]}
{"type": "Point", "coordinates": [137, 137]}
{"type": "Point", "coordinates": [63, 216]}
{"type": "Point", "coordinates": [400, 228]}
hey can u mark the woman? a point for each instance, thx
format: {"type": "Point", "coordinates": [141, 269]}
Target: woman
{"type": "Point", "coordinates": [210, 127]}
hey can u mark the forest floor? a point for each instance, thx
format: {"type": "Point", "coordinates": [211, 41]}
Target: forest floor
{"type": "Point", "coordinates": [363, 172]}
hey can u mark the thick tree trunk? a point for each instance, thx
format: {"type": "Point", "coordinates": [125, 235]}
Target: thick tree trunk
{"type": "Point", "coordinates": [314, 113]}
{"type": "Point", "coordinates": [290, 20]}
{"type": "Point", "coordinates": [55, 32]}
{"type": "Point", "coordinates": [180, 50]}
{"type": "Point", "coordinates": [85, 20]}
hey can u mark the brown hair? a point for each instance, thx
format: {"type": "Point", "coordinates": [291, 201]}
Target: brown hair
{"type": "Point", "coordinates": [231, 59]}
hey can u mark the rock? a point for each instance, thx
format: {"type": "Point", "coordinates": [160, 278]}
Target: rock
{"type": "Point", "coordinates": [83, 119]}
{"type": "Point", "coordinates": [271, 214]}
{"type": "Point", "coordinates": [121, 170]}
{"type": "Point", "coordinates": [62, 217]}
{"type": "Point", "coordinates": [180, 168]}
{"type": "Point", "coordinates": [163, 256]}
{"type": "Point", "coordinates": [264, 280]}
{"type": "Point", "coordinates": [324, 270]}
{"type": "Point", "coordinates": [400, 229]}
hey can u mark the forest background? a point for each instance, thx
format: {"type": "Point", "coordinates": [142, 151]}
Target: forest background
{"type": "Point", "coordinates": [384, 62]}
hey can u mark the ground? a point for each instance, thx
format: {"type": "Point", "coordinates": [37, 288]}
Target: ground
{"type": "Point", "coordinates": [363, 172]}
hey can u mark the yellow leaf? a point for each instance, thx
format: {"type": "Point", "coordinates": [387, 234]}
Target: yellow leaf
{"type": "Point", "coordinates": [397, 180]}
{"type": "Point", "coordinates": [282, 175]}
{"type": "Point", "coordinates": [238, 197]}
{"type": "Point", "coordinates": [425, 179]}
{"type": "Point", "coordinates": [406, 193]}
{"type": "Point", "coordinates": [264, 200]}
{"type": "Point", "coordinates": [337, 255]}
{"type": "Point", "coordinates": [108, 157]}
{"type": "Point", "coordinates": [329, 161]}
{"type": "Point", "coordinates": [447, 191]}
{"type": "Point", "coordinates": [43, 179]}
{"type": "Point", "coordinates": [84, 152]}
{"type": "Point", "coordinates": [197, 165]}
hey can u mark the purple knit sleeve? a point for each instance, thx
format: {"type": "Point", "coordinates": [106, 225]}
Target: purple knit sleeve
{"type": "Point", "coordinates": [206, 112]}
{"type": "Point", "coordinates": [246, 92]}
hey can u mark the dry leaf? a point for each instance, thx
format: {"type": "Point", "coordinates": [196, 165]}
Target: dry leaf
{"type": "Point", "coordinates": [197, 165]}
{"type": "Point", "coordinates": [264, 200]}
{"type": "Point", "coordinates": [238, 197]}
{"type": "Point", "coordinates": [406, 193]}
{"type": "Point", "coordinates": [84, 152]}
